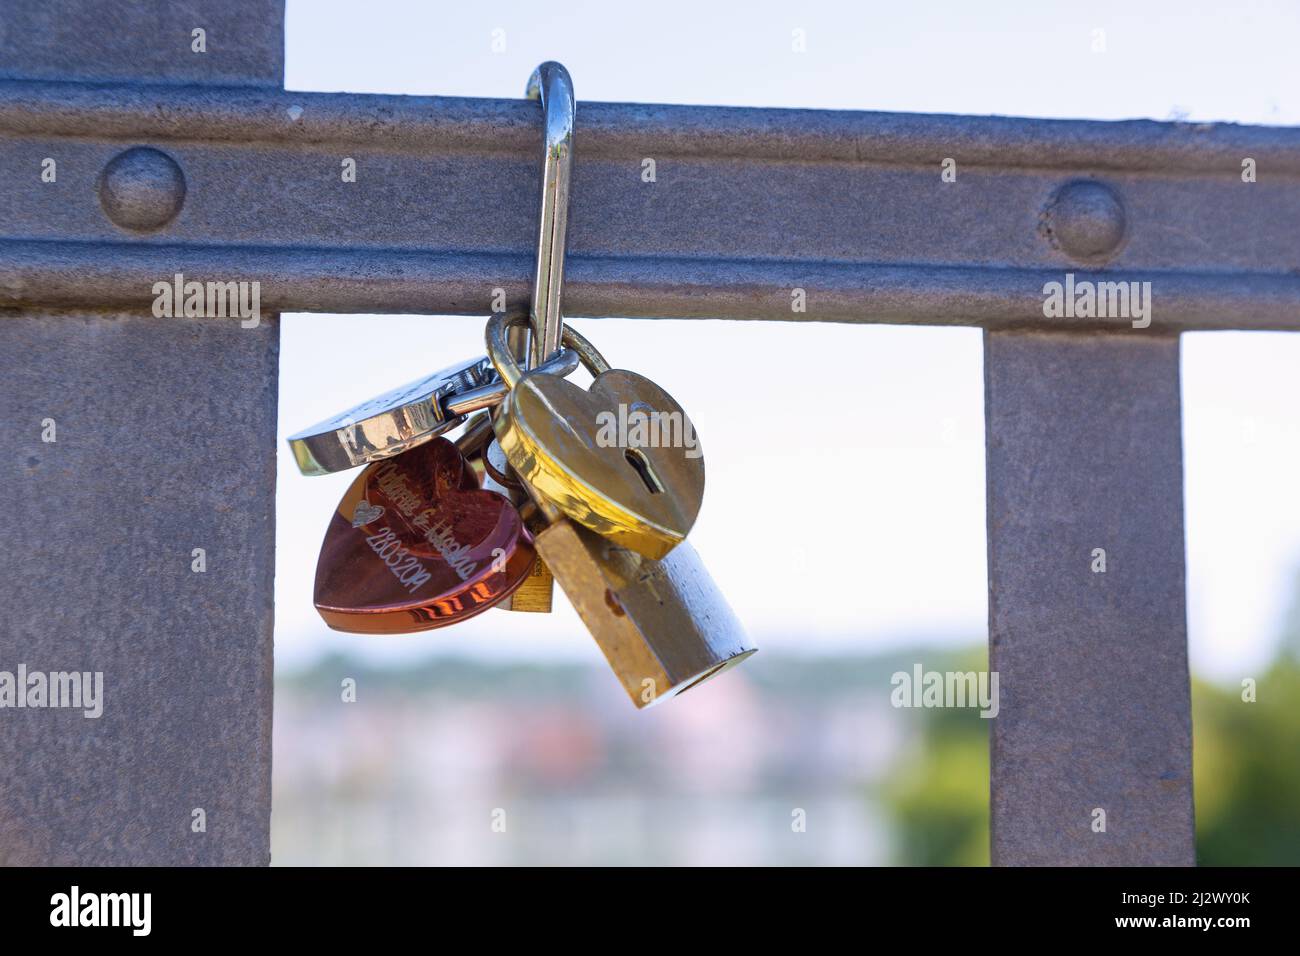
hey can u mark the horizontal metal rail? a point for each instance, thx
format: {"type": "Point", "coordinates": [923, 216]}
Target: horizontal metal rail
{"type": "Point", "coordinates": [746, 206]}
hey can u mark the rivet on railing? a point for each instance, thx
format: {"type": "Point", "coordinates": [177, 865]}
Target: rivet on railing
{"type": "Point", "coordinates": [1085, 220]}
{"type": "Point", "coordinates": [142, 189]}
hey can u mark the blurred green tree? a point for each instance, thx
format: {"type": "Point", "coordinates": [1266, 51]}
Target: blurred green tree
{"type": "Point", "coordinates": [1246, 762]}
{"type": "Point", "coordinates": [1246, 771]}
{"type": "Point", "coordinates": [939, 797]}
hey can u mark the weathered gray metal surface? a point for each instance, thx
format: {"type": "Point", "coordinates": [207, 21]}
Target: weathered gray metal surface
{"type": "Point", "coordinates": [143, 41]}
{"type": "Point", "coordinates": [747, 205]}
{"type": "Point", "coordinates": [171, 161]}
{"type": "Point", "coordinates": [1085, 452]}
{"type": "Point", "coordinates": [158, 426]}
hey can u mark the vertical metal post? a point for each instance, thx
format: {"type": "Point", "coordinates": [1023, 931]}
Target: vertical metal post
{"type": "Point", "coordinates": [1085, 466]}
{"type": "Point", "coordinates": [131, 441]}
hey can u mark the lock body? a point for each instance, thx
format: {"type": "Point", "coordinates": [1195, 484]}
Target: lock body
{"type": "Point", "coordinates": [536, 594]}
{"type": "Point", "coordinates": [387, 425]}
{"type": "Point", "coordinates": [565, 443]}
{"type": "Point", "coordinates": [662, 624]}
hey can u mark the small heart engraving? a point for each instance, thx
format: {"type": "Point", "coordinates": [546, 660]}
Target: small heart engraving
{"type": "Point", "coordinates": [365, 512]}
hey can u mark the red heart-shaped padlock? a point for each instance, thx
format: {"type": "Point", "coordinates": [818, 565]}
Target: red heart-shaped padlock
{"type": "Point", "coordinates": [416, 544]}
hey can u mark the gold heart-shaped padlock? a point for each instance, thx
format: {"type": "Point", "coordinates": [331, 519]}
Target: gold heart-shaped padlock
{"type": "Point", "coordinates": [620, 458]}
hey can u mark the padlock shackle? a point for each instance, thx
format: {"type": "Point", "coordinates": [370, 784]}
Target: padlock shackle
{"type": "Point", "coordinates": [498, 349]}
{"type": "Point", "coordinates": [550, 83]}
{"type": "Point", "coordinates": [491, 395]}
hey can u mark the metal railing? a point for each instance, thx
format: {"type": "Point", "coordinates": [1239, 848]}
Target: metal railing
{"type": "Point", "coordinates": [167, 427]}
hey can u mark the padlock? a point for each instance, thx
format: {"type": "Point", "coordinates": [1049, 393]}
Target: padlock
{"type": "Point", "coordinates": [472, 445]}
{"type": "Point", "coordinates": [536, 594]}
{"type": "Point", "coordinates": [568, 445]}
{"type": "Point", "coordinates": [488, 465]}
{"type": "Point", "coordinates": [416, 544]}
{"type": "Point", "coordinates": [662, 624]}
{"type": "Point", "coordinates": [388, 424]}
{"type": "Point", "coordinates": [405, 417]}
{"type": "Point", "coordinates": [607, 518]}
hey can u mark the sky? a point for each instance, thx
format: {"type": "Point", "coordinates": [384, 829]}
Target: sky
{"type": "Point", "coordinates": [855, 524]}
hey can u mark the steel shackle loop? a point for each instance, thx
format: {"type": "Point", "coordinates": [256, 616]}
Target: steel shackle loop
{"type": "Point", "coordinates": [498, 349]}
{"type": "Point", "coordinates": [491, 395]}
{"type": "Point", "coordinates": [550, 83]}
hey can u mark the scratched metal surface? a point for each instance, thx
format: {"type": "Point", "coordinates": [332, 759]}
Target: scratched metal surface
{"type": "Point", "coordinates": [1083, 429]}
{"type": "Point", "coordinates": [748, 205]}
{"type": "Point", "coordinates": [165, 441]}
{"type": "Point", "coordinates": [1085, 451]}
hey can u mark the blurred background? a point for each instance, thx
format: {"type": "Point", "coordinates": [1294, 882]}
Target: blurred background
{"type": "Point", "coordinates": [848, 536]}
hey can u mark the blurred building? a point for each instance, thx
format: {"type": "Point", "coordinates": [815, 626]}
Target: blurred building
{"type": "Point", "coordinates": [460, 762]}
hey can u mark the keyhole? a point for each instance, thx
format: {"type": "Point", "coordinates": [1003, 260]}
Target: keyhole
{"type": "Point", "coordinates": [637, 461]}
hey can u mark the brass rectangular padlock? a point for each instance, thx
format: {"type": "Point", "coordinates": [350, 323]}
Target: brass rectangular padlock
{"type": "Point", "coordinates": [534, 595]}
{"type": "Point", "coordinates": [663, 625]}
